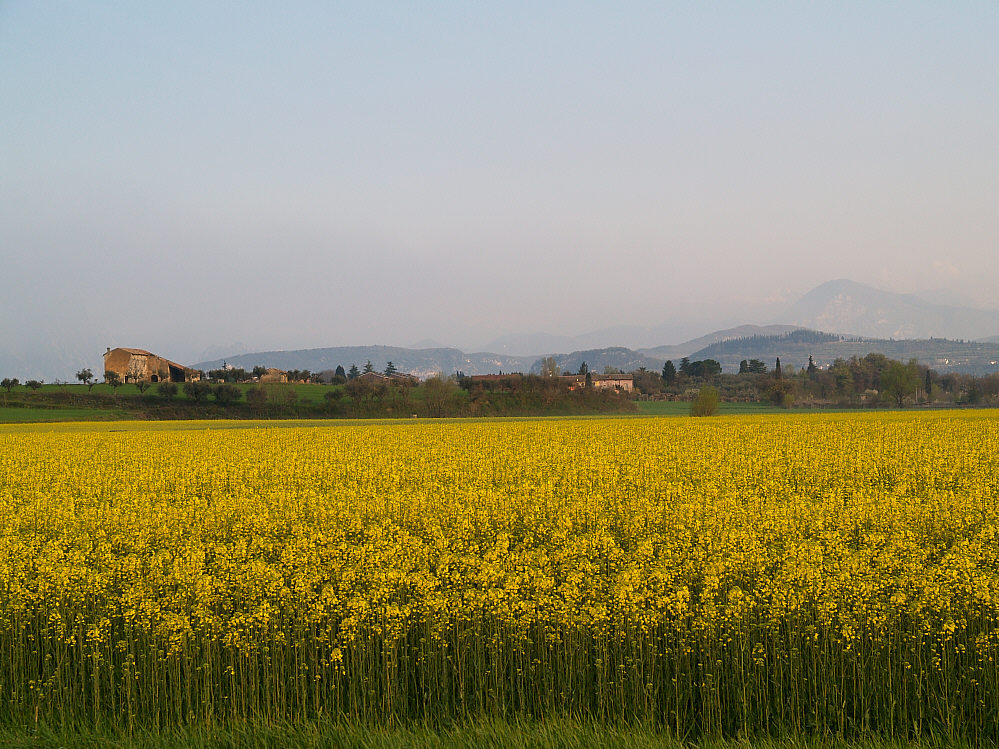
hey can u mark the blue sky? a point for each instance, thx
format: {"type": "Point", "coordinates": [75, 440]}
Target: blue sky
{"type": "Point", "coordinates": [189, 177]}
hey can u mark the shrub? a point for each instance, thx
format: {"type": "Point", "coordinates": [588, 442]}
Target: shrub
{"type": "Point", "coordinates": [706, 402]}
{"type": "Point", "coordinates": [256, 396]}
{"type": "Point", "coordinates": [197, 391]}
{"type": "Point", "coordinates": [226, 393]}
{"type": "Point", "coordinates": [167, 389]}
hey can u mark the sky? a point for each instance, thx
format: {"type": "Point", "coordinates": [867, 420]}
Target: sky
{"type": "Point", "coordinates": [208, 178]}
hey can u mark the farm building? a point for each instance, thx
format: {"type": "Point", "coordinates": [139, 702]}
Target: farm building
{"type": "Point", "coordinates": [624, 382]}
{"type": "Point", "coordinates": [274, 375]}
{"type": "Point", "coordinates": [139, 365]}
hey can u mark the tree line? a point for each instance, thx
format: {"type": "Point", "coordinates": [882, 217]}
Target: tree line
{"type": "Point", "coordinates": [870, 380]}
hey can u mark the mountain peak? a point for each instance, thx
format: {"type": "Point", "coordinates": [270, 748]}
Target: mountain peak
{"type": "Point", "coordinates": [849, 307]}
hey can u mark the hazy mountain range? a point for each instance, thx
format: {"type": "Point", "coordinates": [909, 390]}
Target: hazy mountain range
{"type": "Point", "coordinates": [862, 319]}
{"type": "Point", "coordinates": [425, 362]}
{"type": "Point", "coordinates": [856, 312]}
{"type": "Point", "coordinates": [849, 307]}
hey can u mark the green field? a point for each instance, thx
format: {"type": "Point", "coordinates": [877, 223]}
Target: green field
{"type": "Point", "coordinates": [682, 408]}
{"type": "Point", "coordinates": [11, 415]}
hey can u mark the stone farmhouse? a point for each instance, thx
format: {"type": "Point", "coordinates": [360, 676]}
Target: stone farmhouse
{"type": "Point", "coordinates": [623, 382]}
{"type": "Point", "coordinates": [273, 375]}
{"type": "Point", "coordinates": [139, 365]}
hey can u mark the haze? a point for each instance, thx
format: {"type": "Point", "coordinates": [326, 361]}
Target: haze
{"type": "Point", "coordinates": [202, 179]}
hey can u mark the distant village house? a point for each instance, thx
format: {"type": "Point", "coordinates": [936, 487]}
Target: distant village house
{"type": "Point", "coordinates": [274, 375]}
{"type": "Point", "coordinates": [139, 365]}
{"type": "Point", "coordinates": [623, 382]}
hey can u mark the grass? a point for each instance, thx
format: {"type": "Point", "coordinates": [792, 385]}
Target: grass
{"type": "Point", "coordinates": [30, 415]}
{"type": "Point", "coordinates": [553, 734]}
{"type": "Point", "coordinates": [682, 408]}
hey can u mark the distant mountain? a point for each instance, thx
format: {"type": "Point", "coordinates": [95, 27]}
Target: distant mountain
{"type": "Point", "coordinates": [635, 337]}
{"type": "Point", "coordinates": [792, 344]}
{"type": "Point", "coordinates": [795, 347]}
{"type": "Point", "coordinates": [849, 307]}
{"type": "Point", "coordinates": [598, 359]}
{"type": "Point", "coordinates": [680, 350]}
{"type": "Point", "coordinates": [420, 362]}
{"type": "Point", "coordinates": [531, 344]}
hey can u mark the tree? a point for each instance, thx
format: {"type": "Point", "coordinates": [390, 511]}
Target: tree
{"type": "Point", "coordinates": [113, 379]}
{"type": "Point", "coordinates": [669, 372]}
{"type": "Point", "coordinates": [706, 402]}
{"type": "Point", "coordinates": [197, 390]}
{"type": "Point", "coordinates": [9, 383]}
{"type": "Point", "coordinates": [705, 368]}
{"type": "Point", "coordinates": [390, 369]}
{"type": "Point", "coordinates": [549, 367]}
{"type": "Point", "coordinates": [256, 395]}
{"type": "Point", "coordinates": [441, 396]}
{"type": "Point", "coordinates": [259, 371]}
{"type": "Point", "coordinates": [354, 372]}
{"type": "Point", "coordinates": [369, 367]}
{"type": "Point", "coordinates": [646, 382]}
{"type": "Point", "coordinates": [781, 392]}
{"type": "Point", "coordinates": [340, 373]}
{"type": "Point", "coordinates": [753, 366]}
{"type": "Point", "coordinates": [167, 389]}
{"type": "Point", "coordinates": [685, 365]}
{"type": "Point", "coordinates": [778, 374]}
{"type": "Point", "coordinates": [143, 385]}
{"type": "Point", "coordinates": [34, 384]}
{"type": "Point", "coordinates": [899, 380]}
{"type": "Point", "coordinates": [811, 369]}
{"type": "Point", "coordinates": [226, 393]}
{"type": "Point", "coordinates": [86, 377]}
{"type": "Point", "coordinates": [583, 369]}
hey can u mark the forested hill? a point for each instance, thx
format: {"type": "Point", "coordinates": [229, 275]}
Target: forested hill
{"type": "Point", "coordinates": [794, 348]}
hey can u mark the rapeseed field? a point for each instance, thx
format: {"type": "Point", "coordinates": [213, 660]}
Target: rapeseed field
{"type": "Point", "coordinates": [755, 575]}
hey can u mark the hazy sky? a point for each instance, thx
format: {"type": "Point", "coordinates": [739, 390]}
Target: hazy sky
{"type": "Point", "coordinates": [186, 175]}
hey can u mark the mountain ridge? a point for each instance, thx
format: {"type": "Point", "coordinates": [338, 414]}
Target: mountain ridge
{"type": "Point", "coordinates": [846, 306]}
{"type": "Point", "coordinates": [793, 346]}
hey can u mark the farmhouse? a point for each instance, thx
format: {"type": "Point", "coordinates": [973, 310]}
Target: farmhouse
{"type": "Point", "coordinates": [623, 382]}
{"type": "Point", "coordinates": [274, 375]}
{"type": "Point", "coordinates": [139, 365]}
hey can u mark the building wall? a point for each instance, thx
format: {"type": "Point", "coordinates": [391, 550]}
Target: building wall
{"type": "Point", "coordinates": [609, 382]}
{"type": "Point", "coordinates": [133, 366]}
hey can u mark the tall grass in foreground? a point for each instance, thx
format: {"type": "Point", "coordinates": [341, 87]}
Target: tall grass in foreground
{"type": "Point", "coordinates": [768, 576]}
{"type": "Point", "coordinates": [481, 734]}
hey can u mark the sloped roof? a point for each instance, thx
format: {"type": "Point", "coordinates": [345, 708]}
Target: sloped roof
{"type": "Point", "coordinates": [143, 352]}
{"type": "Point", "coordinates": [140, 351]}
